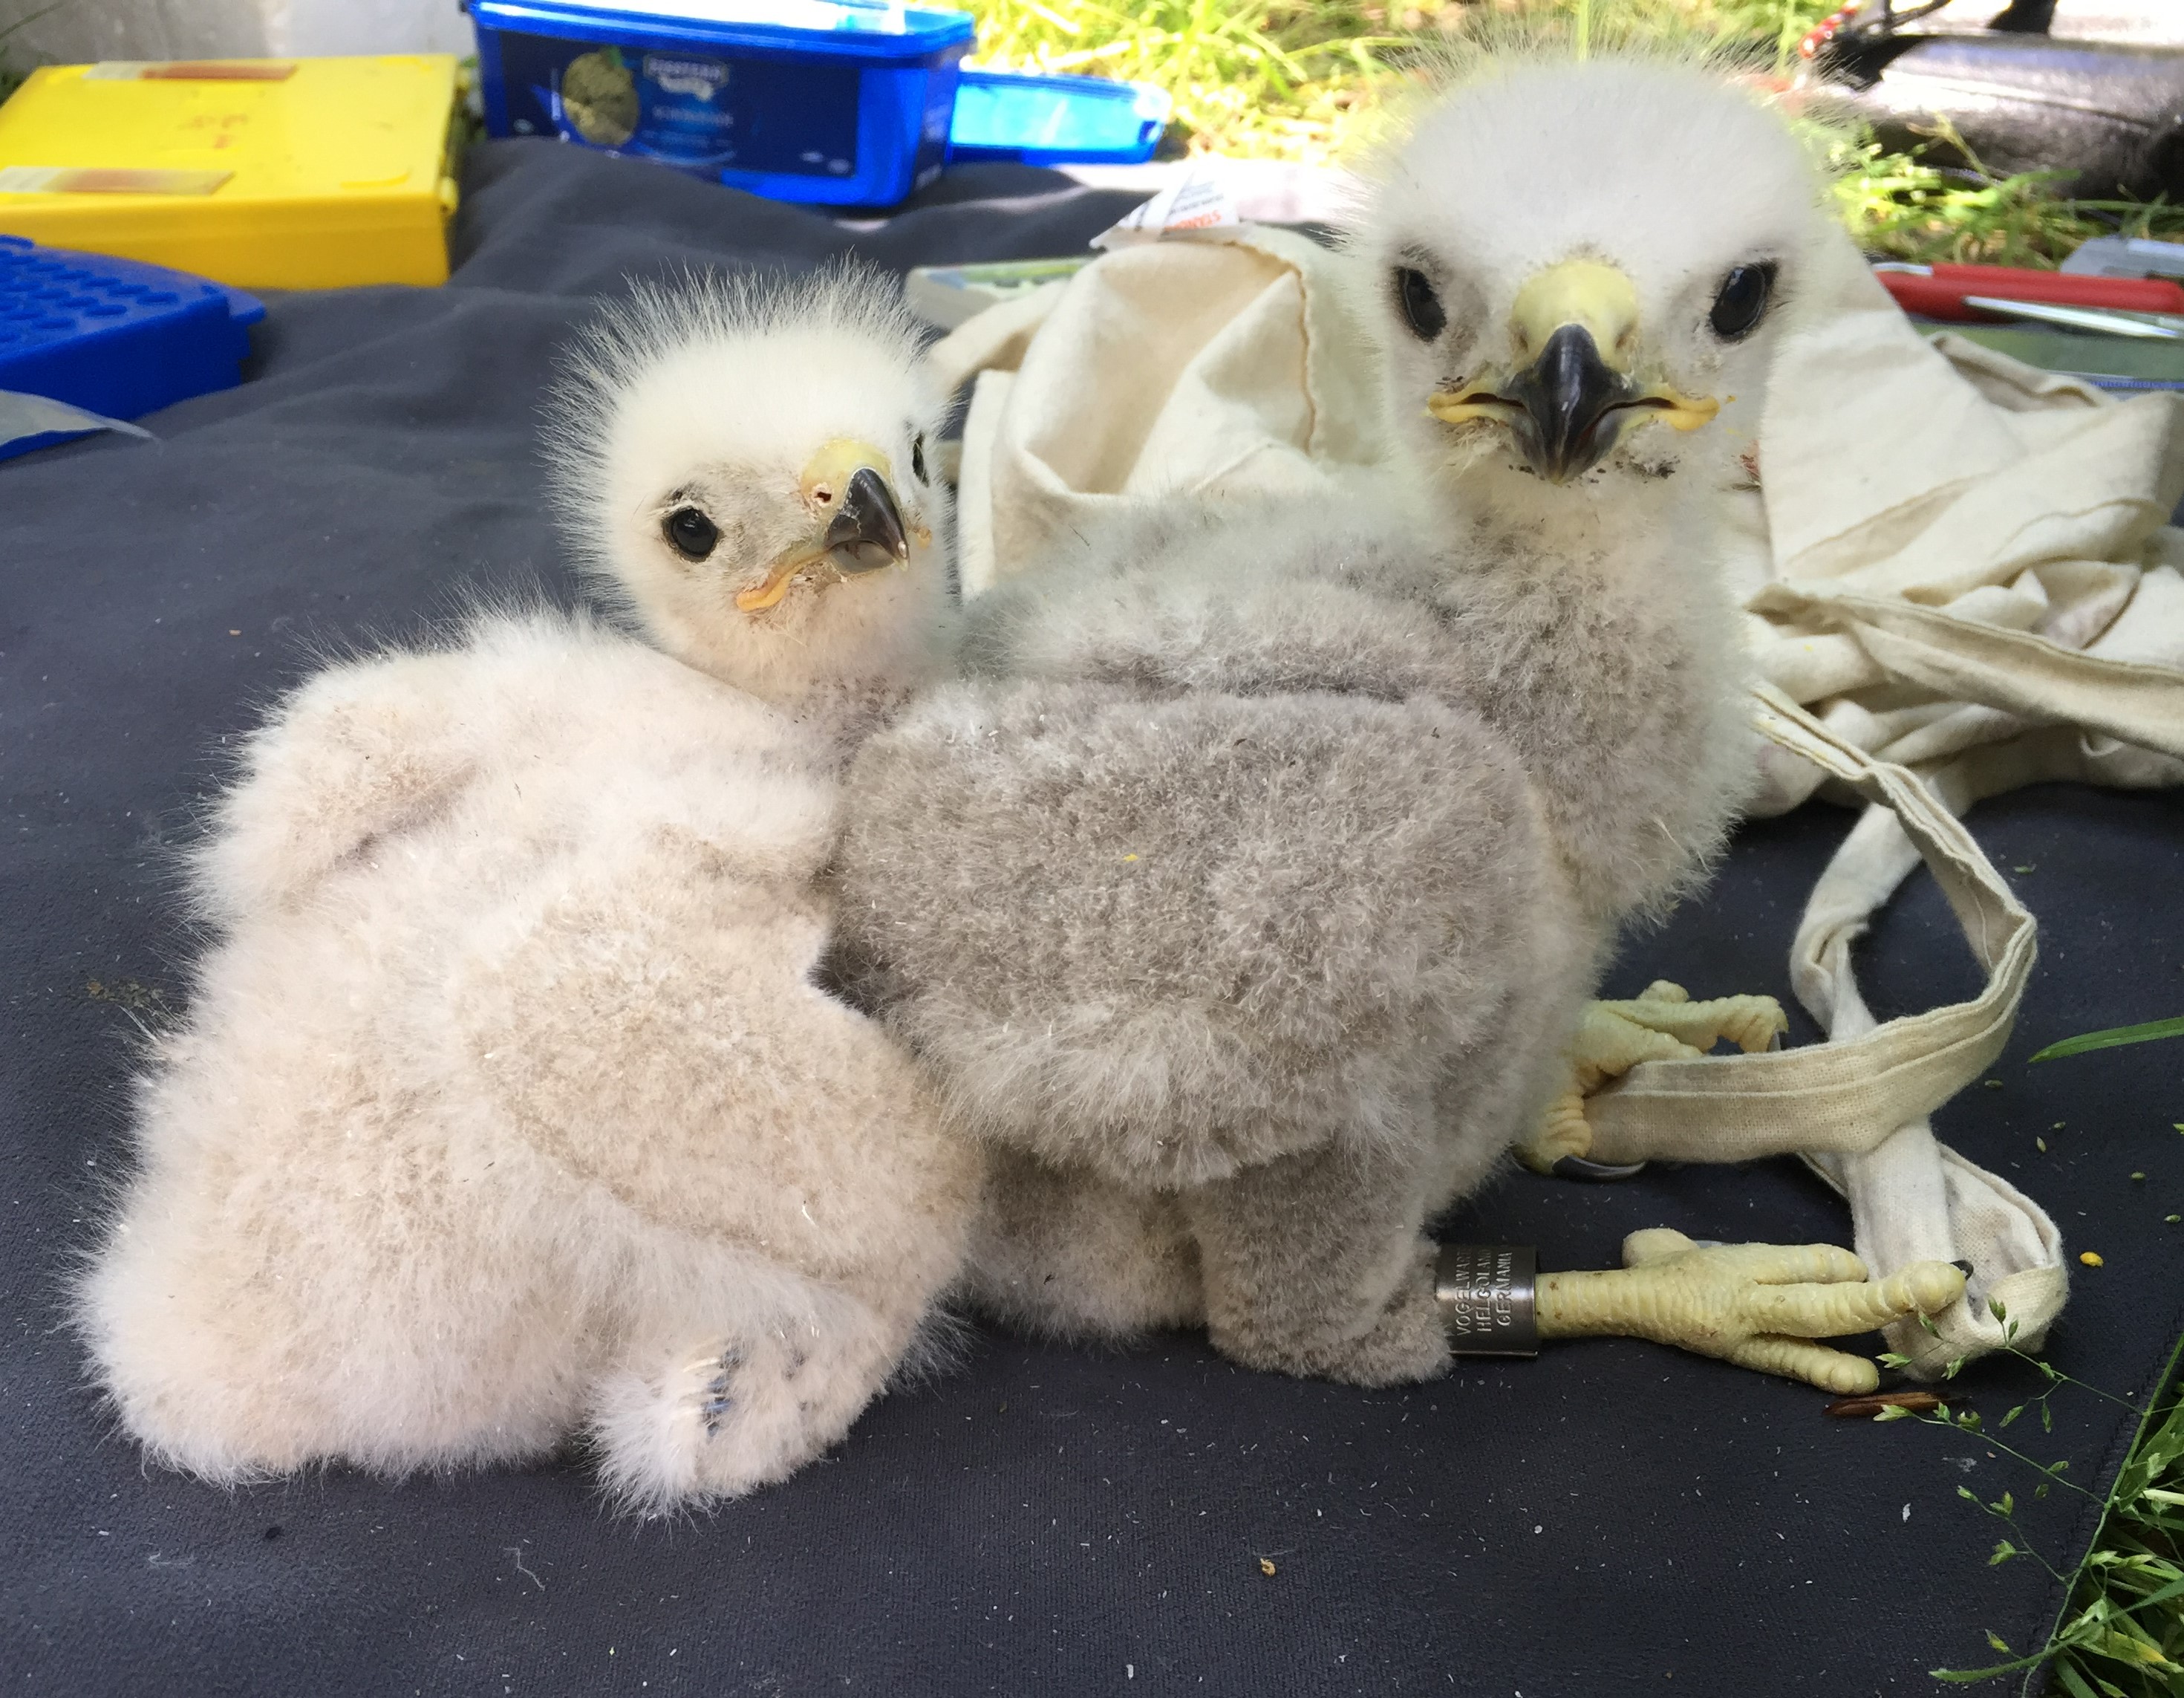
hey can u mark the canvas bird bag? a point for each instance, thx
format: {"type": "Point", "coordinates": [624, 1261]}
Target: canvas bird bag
{"type": "Point", "coordinates": [1973, 550]}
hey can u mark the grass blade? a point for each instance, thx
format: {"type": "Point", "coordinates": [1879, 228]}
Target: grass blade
{"type": "Point", "coordinates": [2114, 1038]}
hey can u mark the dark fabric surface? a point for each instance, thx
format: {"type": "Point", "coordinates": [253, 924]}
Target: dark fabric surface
{"type": "Point", "coordinates": [1612, 1518]}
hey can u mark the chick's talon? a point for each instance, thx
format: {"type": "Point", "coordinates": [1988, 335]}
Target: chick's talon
{"type": "Point", "coordinates": [1561, 1131]}
{"type": "Point", "coordinates": [1750, 1022]}
{"type": "Point", "coordinates": [1759, 1306]}
{"type": "Point", "coordinates": [1664, 1024]}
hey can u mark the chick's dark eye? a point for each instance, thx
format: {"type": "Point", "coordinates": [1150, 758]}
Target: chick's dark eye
{"type": "Point", "coordinates": [918, 459]}
{"type": "Point", "coordinates": [1421, 307]}
{"type": "Point", "coordinates": [1742, 301]}
{"type": "Point", "coordinates": [692, 534]}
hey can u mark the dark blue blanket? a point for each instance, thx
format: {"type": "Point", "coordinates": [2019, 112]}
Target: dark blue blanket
{"type": "Point", "coordinates": [1612, 1518]}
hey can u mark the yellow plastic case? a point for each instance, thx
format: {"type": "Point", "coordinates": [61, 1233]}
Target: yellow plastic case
{"type": "Point", "coordinates": [288, 173]}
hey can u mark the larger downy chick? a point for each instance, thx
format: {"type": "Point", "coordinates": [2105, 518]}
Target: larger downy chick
{"type": "Point", "coordinates": [1245, 895]}
{"type": "Point", "coordinates": [507, 1110]}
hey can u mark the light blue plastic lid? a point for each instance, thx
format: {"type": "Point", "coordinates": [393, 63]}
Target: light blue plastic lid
{"type": "Point", "coordinates": [1055, 119]}
{"type": "Point", "coordinates": [843, 28]}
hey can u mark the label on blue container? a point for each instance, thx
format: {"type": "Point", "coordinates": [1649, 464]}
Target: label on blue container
{"type": "Point", "coordinates": [693, 110]}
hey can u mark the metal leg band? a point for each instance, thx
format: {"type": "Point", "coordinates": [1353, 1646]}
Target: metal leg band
{"type": "Point", "coordinates": [1486, 1296]}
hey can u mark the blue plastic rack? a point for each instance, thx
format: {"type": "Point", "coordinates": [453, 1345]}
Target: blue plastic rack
{"type": "Point", "coordinates": [113, 336]}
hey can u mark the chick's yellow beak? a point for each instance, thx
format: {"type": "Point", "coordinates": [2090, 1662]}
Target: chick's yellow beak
{"type": "Point", "coordinates": [1578, 320]}
{"type": "Point", "coordinates": [847, 488]}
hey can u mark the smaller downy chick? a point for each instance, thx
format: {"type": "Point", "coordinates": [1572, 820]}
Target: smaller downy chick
{"type": "Point", "coordinates": [507, 1109]}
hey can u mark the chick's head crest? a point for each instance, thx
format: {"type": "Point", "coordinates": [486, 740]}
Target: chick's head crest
{"type": "Point", "coordinates": [1579, 270]}
{"type": "Point", "coordinates": [747, 465]}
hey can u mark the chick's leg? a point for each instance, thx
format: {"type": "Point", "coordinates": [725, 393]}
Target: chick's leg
{"type": "Point", "coordinates": [1068, 1253]}
{"type": "Point", "coordinates": [1315, 1265]}
{"type": "Point", "coordinates": [1612, 1037]}
{"type": "Point", "coordinates": [711, 1405]}
{"type": "Point", "coordinates": [1757, 1306]}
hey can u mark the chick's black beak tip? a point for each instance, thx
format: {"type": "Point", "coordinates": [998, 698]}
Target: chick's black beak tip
{"type": "Point", "coordinates": [866, 532]}
{"type": "Point", "coordinates": [1569, 395]}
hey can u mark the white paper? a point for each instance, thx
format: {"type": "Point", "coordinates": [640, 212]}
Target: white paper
{"type": "Point", "coordinates": [23, 416]}
{"type": "Point", "coordinates": [1196, 203]}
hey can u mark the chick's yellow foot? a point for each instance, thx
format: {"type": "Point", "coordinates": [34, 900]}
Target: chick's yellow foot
{"type": "Point", "coordinates": [1757, 1306]}
{"type": "Point", "coordinates": [1664, 1024]}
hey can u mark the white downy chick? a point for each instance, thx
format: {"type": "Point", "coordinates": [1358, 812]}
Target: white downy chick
{"type": "Point", "coordinates": [1244, 895]}
{"type": "Point", "coordinates": [1577, 274]}
{"type": "Point", "coordinates": [726, 453]}
{"type": "Point", "coordinates": [506, 1110]}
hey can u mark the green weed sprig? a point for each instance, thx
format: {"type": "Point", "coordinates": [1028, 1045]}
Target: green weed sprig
{"type": "Point", "coordinates": [2123, 1632]}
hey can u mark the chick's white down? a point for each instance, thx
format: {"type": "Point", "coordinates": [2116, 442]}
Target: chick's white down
{"type": "Point", "coordinates": [506, 1109]}
{"type": "Point", "coordinates": [1242, 896]}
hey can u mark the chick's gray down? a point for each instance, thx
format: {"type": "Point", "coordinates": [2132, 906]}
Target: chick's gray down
{"type": "Point", "coordinates": [1243, 891]}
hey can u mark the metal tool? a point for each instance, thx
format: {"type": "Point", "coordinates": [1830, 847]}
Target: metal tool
{"type": "Point", "coordinates": [2151, 327]}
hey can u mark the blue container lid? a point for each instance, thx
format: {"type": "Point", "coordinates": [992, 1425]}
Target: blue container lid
{"type": "Point", "coordinates": [870, 30]}
{"type": "Point", "coordinates": [1046, 120]}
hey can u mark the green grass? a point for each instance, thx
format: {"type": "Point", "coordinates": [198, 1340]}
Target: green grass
{"type": "Point", "coordinates": [1277, 79]}
{"type": "Point", "coordinates": [2123, 1636]}
{"type": "Point", "coordinates": [2122, 1631]}
{"type": "Point", "coordinates": [1295, 80]}
{"type": "Point", "coordinates": [1905, 206]}
{"type": "Point", "coordinates": [2115, 1037]}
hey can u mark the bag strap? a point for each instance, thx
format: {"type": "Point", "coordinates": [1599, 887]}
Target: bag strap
{"type": "Point", "coordinates": [1844, 1096]}
{"type": "Point", "coordinates": [1962, 660]}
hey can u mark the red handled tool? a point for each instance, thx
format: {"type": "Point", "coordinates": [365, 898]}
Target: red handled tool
{"type": "Point", "coordinates": [1940, 291]}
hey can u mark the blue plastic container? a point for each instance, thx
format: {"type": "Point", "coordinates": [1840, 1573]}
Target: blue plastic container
{"type": "Point", "coordinates": [825, 101]}
{"type": "Point", "coordinates": [845, 103]}
{"type": "Point", "coordinates": [1055, 120]}
{"type": "Point", "coordinates": [115, 335]}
